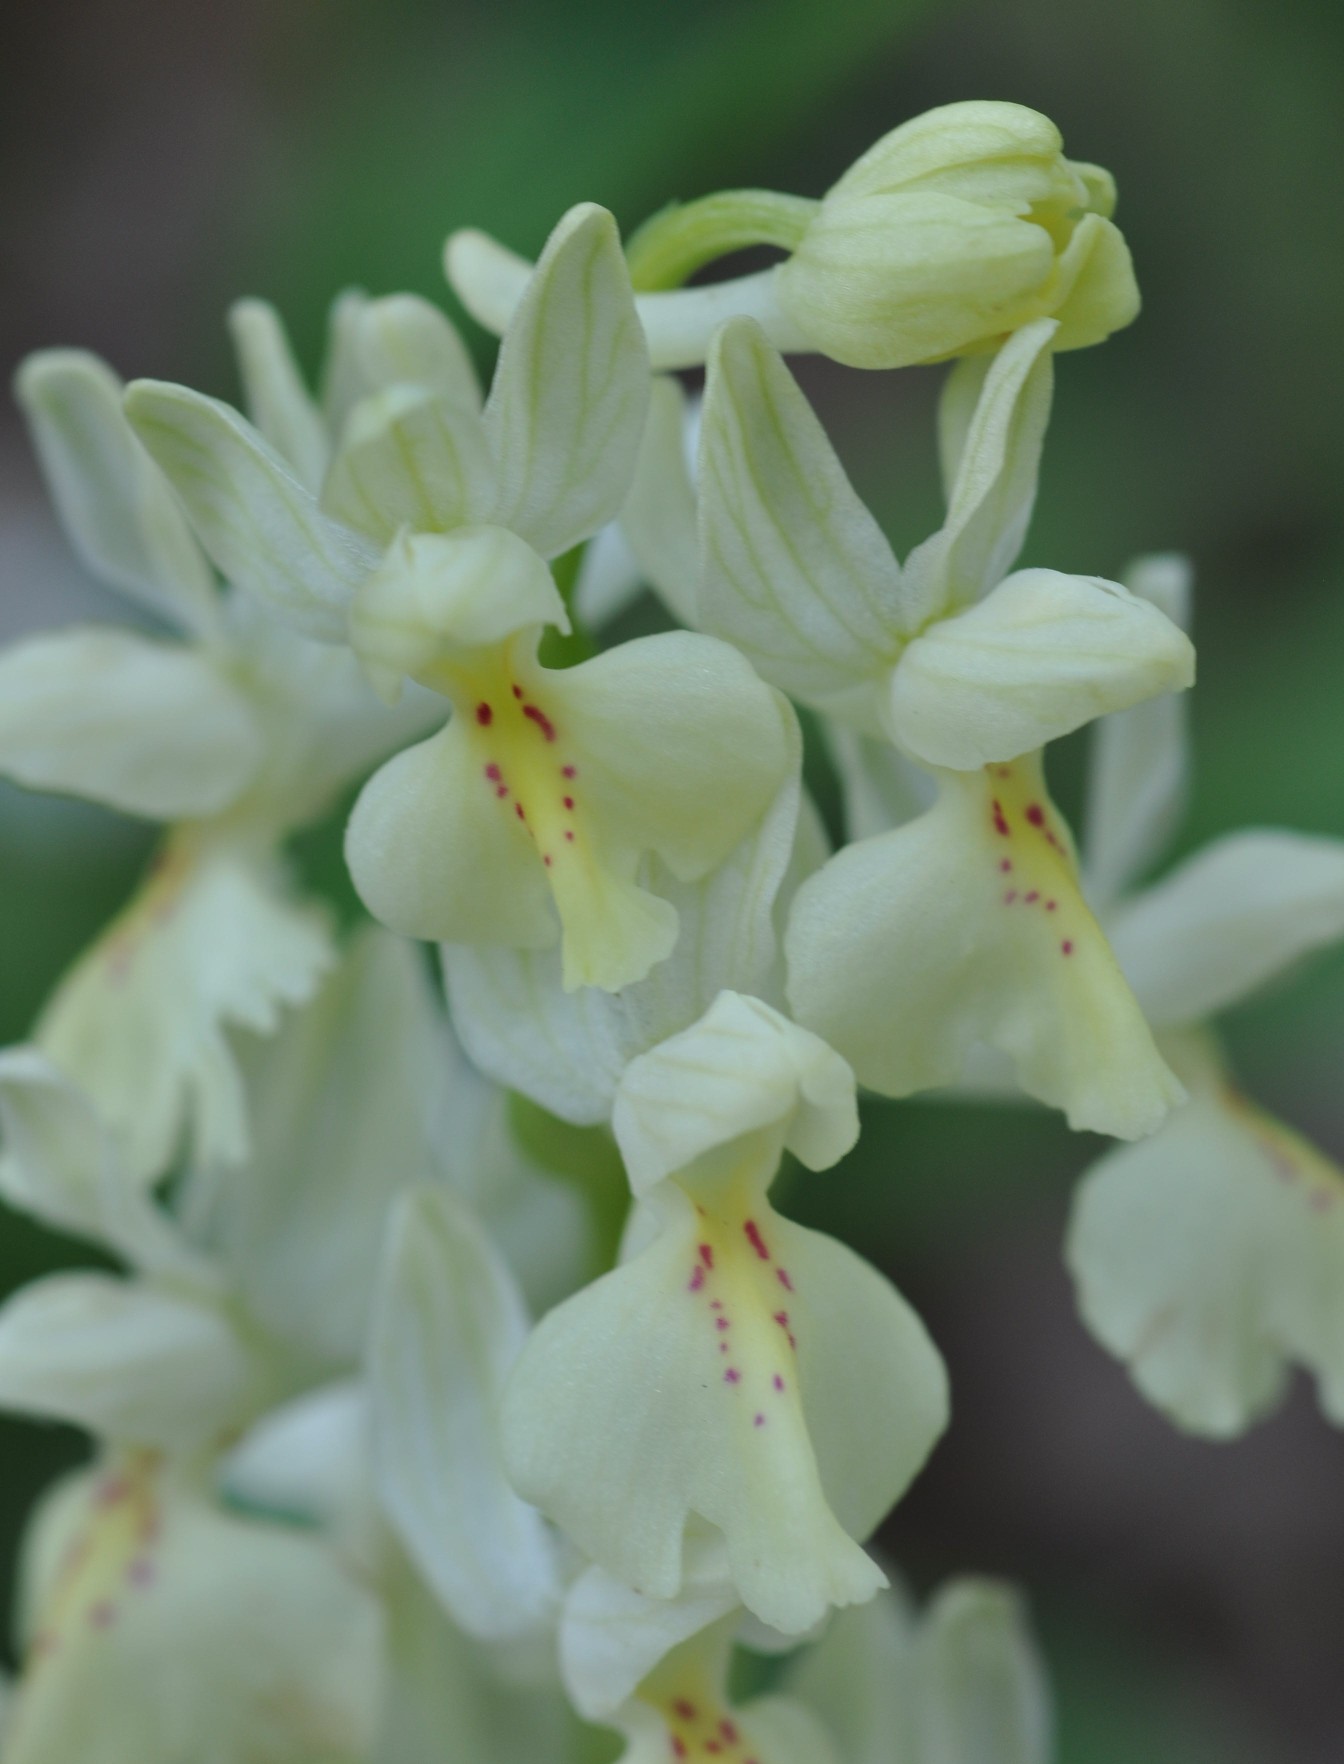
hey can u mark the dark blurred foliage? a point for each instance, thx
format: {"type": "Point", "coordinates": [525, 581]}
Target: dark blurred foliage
{"type": "Point", "coordinates": [158, 159]}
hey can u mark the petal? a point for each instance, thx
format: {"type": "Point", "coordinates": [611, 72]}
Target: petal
{"type": "Point", "coordinates": [742, 1067]}
{"type": "Point", "coordinates": [1040, 656]}
{"type": "Point", "coordinates": [967, 926]}
{"type": "Point", "coordinates": [247, 1637]}
{"type": "Point", "coordinates": [435, 594]}
{"type": "Point", "coordinates": [404, 340]}
{"type": "Point", "coordinates": [612, 1637]}
{"type": "Point", "coordinates": [410, 458]}
{"type": "Point", "coordinates": [567, 1050]}
{"type": "Point", "coordinates": [125, 1361]}
{"type": "Point", "coordinates": [794, 570]}
{"type": "Point", "coordinates": [139, 1022]}
{"type": "Point", "coordinates": [1096, 292]}
{"type": "Point", "coordinates": [983, 1692]}
{"type": "Point", "coordinates": [886, 278]}
{"type": "Point", "coordinates": [693, 1374]}
{"type": "Point", "coordinates": [962, 1686]}
{"type": "Point", "coordinates": [679, 326]}
{"type": "Point", "coordinates": [150, 728]}
{"type": "Point", "coordinates": [120, 514]}
{"type": "Point", "coordinates": [679, 748]}
{"type": "Point", "coordinates": [567, 406]}
{"type": "Point", "coordinates": [61, 1166]}
{"type": "Point", "coordinates": [1211, 1258]}
{"type": "Point", "coordinates": [447, 1329]}
{"type": "Point", "coordinates": [441, 1688]}
{"type": "Point", "coordinates": [278, 402]}
{"type": "Point", "coordinates": [431, 856]}
{"type": "Point", "coordinates": [682, 1708]}
{"type": "Point", "coordinates": [261, 527]}
{"type": "Point", "coordinates": [342, 1107]}
{"type": "Point", "coordinates": [1139, 758]}
{"type": "Point", "coordinates": [659, 516]}
{"type": "Point", "coordinates": [991, 455]}
{"type": "Point", "coordinates": [1232, 917]}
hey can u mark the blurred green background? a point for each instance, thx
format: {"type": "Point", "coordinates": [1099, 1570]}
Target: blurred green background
{"type": "Point", "coordinates": [157, 159]}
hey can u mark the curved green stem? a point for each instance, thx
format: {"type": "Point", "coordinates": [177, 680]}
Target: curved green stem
{"type": "Point", "coordinates": [671, 245]}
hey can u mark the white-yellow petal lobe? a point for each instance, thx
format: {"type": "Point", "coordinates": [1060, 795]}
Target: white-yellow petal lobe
{"type": "Point", "coordinates": [1041, 655]}
{"type": "Point", "coordinates": [435, 853]}
{"type": "Point", "coordinates": [120, 515]}
{"type": "Point", "coordinates": [741, 1068]}
{"type": "Point", "coordinates": [658, 519]}
{"type": "Point", "coordinates": [260, 525]}
{"type": "Point", "coordinates": [965, 926]}
{"type": "Point", "coordinates": [435, 594]}
{"type": "Point", "coordinates": [153, 729]}
{"type": "Point", "coordinates": [211, 940]}
{"type": "Point", "coordinates": [566, 410]}
{"type": "Point", "coordinates": [678, 745]}
{"type": "Point", "coordinates": [1211, 1260]}
{"type": "Point", "coordinates": [1232, 917]}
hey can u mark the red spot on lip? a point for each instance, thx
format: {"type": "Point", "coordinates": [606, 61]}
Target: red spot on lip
{"type": "Point", "coordinates": [732, 1376]}
{"type": "Point", "coordinates": [728, 1731]}
{"type": "Point", "coordinates": [546, 859]}
{"type": "Point", "coordinates": [1067, 946]}
{"type": "Point", "coordinates": [501, 791]}
{"type": "Point", "coordinates": [1033, 896]}
{"type": "Point", "coordinates": [683, 1710]}
{"type": "Point", "coordinates": [493, 772]}
{"type": "Point", "coordinates": [569, 836]}
{"type": "Point", "coordinates": [1010, 897]}
{"type": "Point", "coordinates": [517, 692]}
{"type": "Point", "coordinates": [1050, 905]}
{"type": "Point", "coordinates": [569, 802]}
{"type": "Point", "coordinates": [1005, 864]}
{"type": "Point", "coordinates": [1036, 814]}
{"type": "Point", "coordinates": [721, 1323]}
{"type": "Point", "coordinates": [569, 771]}
{"type": "Point", "coordinates": [707, 1254]}
{"type": "Point", "coordinates": [484, 715]}
{"type": "Point", "coordinates": [779, 1382]}
{"type": "Point", "coordinates": [755, 1239]}
{"type": "Point", "coordinates": [535, 714]}
{"type": "Point", "coordinates": [760, 1421]}
{"type": "Point", "coordinates": [678, 1747]}
{"type": "Point", "coordinates": [784, 1280]}
{"type": "Point", "coordinates": [519, 811]}
{"type": "Point", "coordinates": [782, 1318]}
{"type": "Point", "coordinates": [716, 1304]}
{"type": "Point", "coordinates": [697, 1280]}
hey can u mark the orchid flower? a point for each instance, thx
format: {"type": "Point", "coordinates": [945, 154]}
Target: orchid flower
{"type": "Point", "coordinates": [1211, 1258]}
{"type": "Point", "coordinates": [233, 732]}
{"type": "Point", "coordinates": [526, 817]}
{"type": "Point", "coordinates": [736, 1369]}
{"type": "Point", "coordinates": [967, 925]}
{"type": "Point", "coordinates": [952, 231]}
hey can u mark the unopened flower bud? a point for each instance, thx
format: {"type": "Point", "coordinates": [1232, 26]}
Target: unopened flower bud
{"type": "Point", "coordinates": [952, 231]}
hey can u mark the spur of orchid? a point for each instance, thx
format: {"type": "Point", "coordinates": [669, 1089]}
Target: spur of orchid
{"type": "Point", "coordinates": [459, 1389]}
